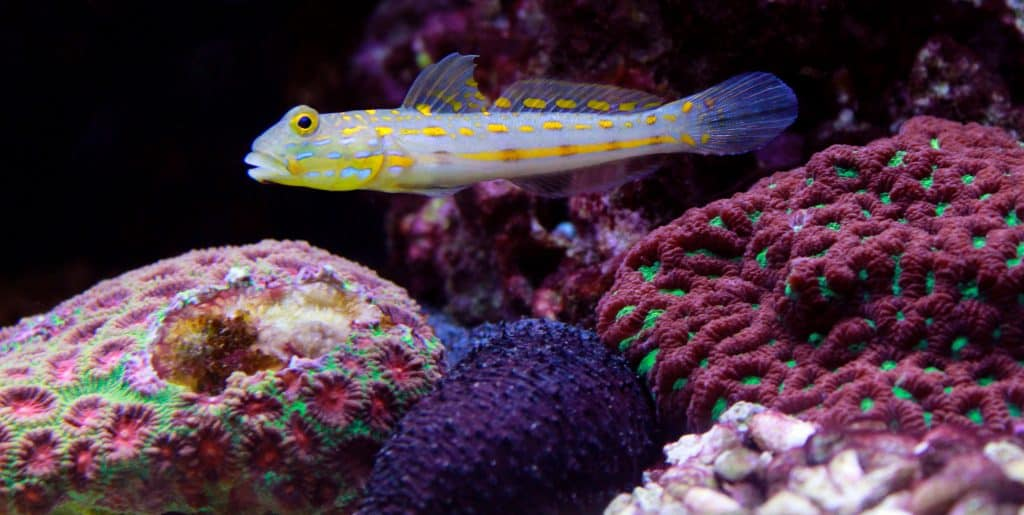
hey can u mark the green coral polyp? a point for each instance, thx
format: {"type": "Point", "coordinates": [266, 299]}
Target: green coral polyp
{"type": "Point", "coordinates": [897, 159]}
{"type": "Point", "coordinates": [648, 272]}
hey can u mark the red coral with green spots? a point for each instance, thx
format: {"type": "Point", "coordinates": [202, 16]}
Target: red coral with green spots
{"type": "Point", "coordinates": [236, 379]}
{"type": "Point", "coordinates": [878, 285]}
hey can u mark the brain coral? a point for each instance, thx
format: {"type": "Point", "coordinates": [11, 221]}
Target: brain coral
{"type": "Point", "coordinates": [252, 378]}
{"type": "Point", "coordinates": [880, 284]}
{"type": "Point", "coordinates": [542, 419]}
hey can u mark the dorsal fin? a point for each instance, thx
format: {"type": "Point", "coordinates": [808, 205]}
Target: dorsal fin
{"type": "Point", "coordinates": [590, 179]}
{"type": "Point", "coordinates": [446, 86]}
{"type": "Point", "coordinates": [549, 96]}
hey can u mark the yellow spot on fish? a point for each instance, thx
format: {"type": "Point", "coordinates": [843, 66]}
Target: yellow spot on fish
{"type": "Point", "coordinates": [565, 103]}
{"type": "Point", "coordinates": [384, 131]}
{"type": "Point", "coordinates": [471, 83]}
{"type": "Point", "coordinates": [434, 131]}
{"type": "Point", "coordinates": [670, 117]}
{"type": "Point", "coordinates": [479, 96]}
{"type": "Point", "coordinates": [456, 105]}
{"type": "Point", "coordinates": [709, 102]}
{"type": "Point", "coordinates": [496, 127]}
{"type": "Point", "coordinates": [582, 126]}
{"type": "Point", "coordinates": [465, 131]}
{"type": "Point", "coordinates": [503, 103]}
{"type": "Point", "coordinates": [371, 112]}
{"type": "Point", "coordinates": [650, 120]}
{"type": "Point", "coordinates": [403, 161]}
{"type": "Point", "coordinates": [627, 106]}
{"type": "Point", "coordinates": [598, 105]}
{"type": "Point", "coordinates": [407, 132]}
{"type": "Point", "coordinates": [474, 105]}
{"type": "Point", "coordinates": [651, 104]}
{"type": "Point", "coordinates": [552, 126]}
{"type": "Point", "coordinates": [605, 124]}
{"type": "Point", "coordinates": [535, 103]}
{"type": "Point", "coordinates": [346, 117]}
{"type": "Point", "coordinates": [687, 106]}
{"type": "Point", "coordinates": [348, 131]}
{"type": "Point", "coordinates": [565, 150]}
{"type": "Point", "coordinates": [704, 138]}
{"type": "Point", "coordinates": [395, 111]}
{"type": "Point", "coordinates": [629, 125]}
{"type": "Point", "coordinates": [688, 139]}
{"type": "Point", "coordinates": [525, 128]}
{"type": "Point", "coordinates": [424, 109]}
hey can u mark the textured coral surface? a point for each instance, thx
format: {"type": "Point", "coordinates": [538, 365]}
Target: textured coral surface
{"type": "Point", "coordinates": [540, 419]}
{"type": "Point", "coordinates": [761, 461]}
{"type": "Point", "coordinates": [261, 377]}
{"type": "Point", "coordinates": [879, 284]}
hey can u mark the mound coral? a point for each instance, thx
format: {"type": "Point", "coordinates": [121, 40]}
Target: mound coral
{"type": "Point", "coordinates": [762, 461]}
{"type": "Point", "coordinates": [229, 379]}
{"type": "Point", "coordinates": [880, 284]}
{"type": "Point", "coordinates": [541, 419]}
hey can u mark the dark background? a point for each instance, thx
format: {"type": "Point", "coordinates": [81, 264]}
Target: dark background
{"type": "Point", "coordinates": [125, 128]}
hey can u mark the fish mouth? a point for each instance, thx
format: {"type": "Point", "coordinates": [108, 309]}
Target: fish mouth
{"type": "Point", "coordinates": [267, 167]}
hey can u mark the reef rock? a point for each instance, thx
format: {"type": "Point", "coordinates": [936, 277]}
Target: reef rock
{"type": "Point", "coordinates": [233, 379]}
{"type": "Point", "coordinates": [833, 470]}
{"type": "Point", "coordinates": [540, 419]}
{"type": "Point", "coordinates": [878, 285]}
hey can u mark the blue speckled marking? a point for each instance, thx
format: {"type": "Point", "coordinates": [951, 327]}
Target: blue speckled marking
{"type": "Point", "coordinates": [395, 170]}
{"type": "Point", "coordinates": [362, 154]}
{"type": "Point", "coordinates": [322, 142]}
{"type": "Point", "coordinates": [334, 155]}
{"type": "Point", "coordinates": [303, 155]}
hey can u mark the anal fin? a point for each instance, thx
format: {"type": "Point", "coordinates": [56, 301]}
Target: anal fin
{"type": "Point", "coordinates": [590, 179]}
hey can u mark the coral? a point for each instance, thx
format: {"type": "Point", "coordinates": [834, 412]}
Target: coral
{"type": "Point", "coordinates": [540, 419]}
{"type": "Point", "coordinates": [495, 253]}
{"type": "Point", "coordinates": [740, 465]}
{"type": "Point", "coordinates": [227, 379]}
{"type": "Point", "coordinates": [878, 286]}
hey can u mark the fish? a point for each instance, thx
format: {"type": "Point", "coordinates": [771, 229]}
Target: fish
{"type": "Point", "coordinates": [549, 137]}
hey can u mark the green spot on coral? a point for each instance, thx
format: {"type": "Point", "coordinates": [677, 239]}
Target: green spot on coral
{"type": "Point", "coordinates": [674, 292]}
{"type": "Point", "coordinates": [678, 384]}
{"type": "Point", "coordinates": [897, 159]}
{"type": "Point", "coordinates": [958, 344]}
{"type": "Point", "coordinates": [897, 270]}
{"type": "Point", "coordinates": [717, 222]}
{"type": "Point", "coordinates": [975, 415]}
{"type": "Point", "coordinates": [927, 418]}
{"type": "Point", "coordinates": [834, 226]}
{"type": "Point", "coordinates": [967, 179]}
{"type": "Point", "coordinates": [845, 173]}
{"type": "Point", "coordinates": [984, 196]}
{"type": "Point", "coordinates": [927, 182]}
{"type": "Point", "coordinates": [1013, 409]}
{"type": "Point", "coordinates": [626, 342]}
{"type": "Point", "coordinates": [886, 199]}
{"type": "Point", "coordinates": [651, 318]}
{"type": "Point", "coordinates": [978, 241]}
{"type": "Point", "coordinates": [814, 339]}
{"type": "Point", "coordinates": [941, 208]}
{"type": "Point", "coordinates": [900, 393]}
{"type": "Point", "coordinates": [932, 370]}
{"type": "Point", "coordinates": [626, 310]}
{"type": "Point", "coordinates": [751, 380]}
{"type": "Point", "coordinates": [857, 348]}
{"type": "Point", "coordinates": [862, 274]}
{"type": "Point", "coordinates": [648, 272]}
{"type": "Point", "coordinates": [929, 282]}
{"type": "Point", "coordinates": [934, 142]}
{"type": "Point", "coordinates": [985, 381]}
{"type": "Point", "coordinates": [866, 404]}
{"type": "Point", "coordinates": [754, 217]}
{"type": "Point", "coordinates": [866, 213]}
{"type": "Point", "coordinates": [900, 316]}
{"type": "Point", "coordinates": [1011, 218]}
{"type": "Point", "coordinates": [791, 363]}
{"type": "Point", "coordinates": [947, 390]}
{"type": "Point", "coordinates": [969, 290]}
{"type": "Point", "coordinates": [826, 292]}
{"type": "Point", "coordinates": [1014, 261]}
{"type": "Point", "coordinates": [888, 365]}
{"type": "Point", "coordinates": [647, 363]}
{"type": "Point", "coordinates": [704, 363]}
{"type": "Point", "coordinates": [720, 406]}
{"type": "Point", "coordinates": [772, 186]}
{"type": "Point", "coordinates": [809, 181]}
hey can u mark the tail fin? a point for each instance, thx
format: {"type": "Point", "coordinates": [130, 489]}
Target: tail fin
{"type": "Point", "coordinates": [736, 116]}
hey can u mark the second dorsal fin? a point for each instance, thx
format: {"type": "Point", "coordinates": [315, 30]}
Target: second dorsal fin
{"type": "Point", "coordinates": [446, 87]}
{"type": "Point", "coordinates": [545, 95]}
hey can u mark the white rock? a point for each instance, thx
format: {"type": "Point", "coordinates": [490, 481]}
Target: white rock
{"type": "Point", "coordinates": [710, 502]}
{"type": "Point", "coordinates": [777, 432]}
{"type": "Point", "coordinates": [787, 503]}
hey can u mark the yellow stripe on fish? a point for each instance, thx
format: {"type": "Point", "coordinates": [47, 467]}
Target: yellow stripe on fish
{"type": "Point", "coordinates": [549, 137]}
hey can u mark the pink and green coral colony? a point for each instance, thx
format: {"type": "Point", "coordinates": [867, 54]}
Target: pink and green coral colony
{"type": "Point", "coordinates": [188, 384]}
{"type": "Point", "coordinates": [947, 374]}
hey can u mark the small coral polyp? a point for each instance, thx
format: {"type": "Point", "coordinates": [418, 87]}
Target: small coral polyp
{"type": "Point", "coordinates": [250, 379]}
{"type": "Point", "coordinates": [247, 329]}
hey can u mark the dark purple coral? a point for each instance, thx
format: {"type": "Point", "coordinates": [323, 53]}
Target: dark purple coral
{"type": "Point", "coordinates": [879, 285]}
{"type": "Point", "coordinates": [523, 425]}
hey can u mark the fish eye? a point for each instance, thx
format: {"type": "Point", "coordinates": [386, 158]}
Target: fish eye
{"type": "Point", "coordinates": [304, 123]}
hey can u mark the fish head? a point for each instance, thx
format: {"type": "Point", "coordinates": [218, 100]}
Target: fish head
{"type": "Point", "coordinates": [313, 150]}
